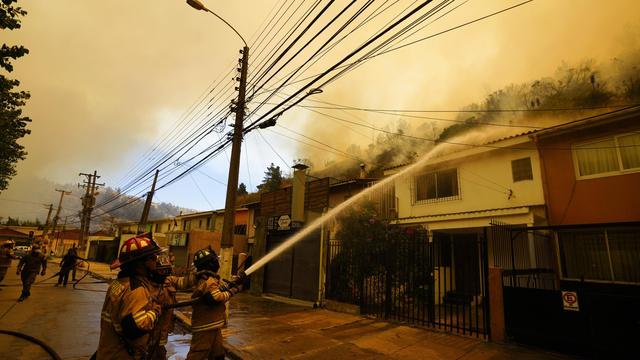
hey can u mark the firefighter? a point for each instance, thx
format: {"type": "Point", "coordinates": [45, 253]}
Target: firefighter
{"type": "Point", "coordinates": [67, 263]}
{"type": "Point", "coordinates": [131, 307]}
{"type": "Point", "coordinates": [6, 255]}
{"type": "Point", "coordinates": [209, 315]}
{"type": "Point", "coordinates": [162, 279]}
{"type": "Point", "coordinates": [29, 267]}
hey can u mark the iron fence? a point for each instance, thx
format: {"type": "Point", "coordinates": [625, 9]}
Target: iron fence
{"type": "Point", "coordinates": [408, 275]}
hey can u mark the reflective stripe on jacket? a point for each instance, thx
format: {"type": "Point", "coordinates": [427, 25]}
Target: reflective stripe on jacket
{"type": "Point", "coordinates": [209, 314]}
{"type": "Point", "coordinates": [126, 319]}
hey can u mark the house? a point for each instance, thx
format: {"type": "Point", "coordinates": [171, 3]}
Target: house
{"type": "Point", "coordinates": [590, 170]}
{"type": "Point", "coordinates": [63, 240]}
{"type": "Point", "coordinates": [185, 234]}
{"type": "Point", "coordinates": [299, 272]}
{"type": "Point", "coordinates": [20, 238]}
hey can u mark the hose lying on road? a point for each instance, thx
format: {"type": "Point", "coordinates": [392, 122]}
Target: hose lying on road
{"type": "Point", "coordinates": [54, 355]}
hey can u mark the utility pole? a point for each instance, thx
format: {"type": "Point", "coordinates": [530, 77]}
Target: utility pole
{"type": "Point", "coordinates": [57, 216]}
{"type": "Point", "coordinates": [226, 250]}
{"type": "Point", "coordinates": [64, 228]}
{"type": "Point", "coordinates": [88, 202]}
{"type": "Point", "coordinates": [147, 205]}
{"type": "Point", "coordinates": [46, 223]}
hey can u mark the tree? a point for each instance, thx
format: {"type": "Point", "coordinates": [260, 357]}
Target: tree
{"type": "Point", "coordinates": [272, 179]}
{"type": "Point", "coordinates": [242, 189]}
{"type": "Point", "coordinates": [12, 123]}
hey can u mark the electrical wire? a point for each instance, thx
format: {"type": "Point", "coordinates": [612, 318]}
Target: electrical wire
{"type": "Point", "coordinates": [284, 162]}
{"type": "Point", "coordinates": [200, 190]}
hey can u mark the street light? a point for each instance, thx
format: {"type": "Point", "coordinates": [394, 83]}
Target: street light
{"type": "Point", "coordinates": [226, 248]}
{"type": "Point", "coordinates": [198, 5]}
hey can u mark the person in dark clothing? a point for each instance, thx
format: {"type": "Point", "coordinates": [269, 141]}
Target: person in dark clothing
{"type": "Point", "coordinates": [68, 262]}
{"type": "Point", "coordinates": [29, 267]}
{"type": "Point", "coordinates": [73, 269]}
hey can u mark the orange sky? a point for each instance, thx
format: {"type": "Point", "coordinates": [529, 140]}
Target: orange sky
{"type": "Point", "coordinates": [108, 78]}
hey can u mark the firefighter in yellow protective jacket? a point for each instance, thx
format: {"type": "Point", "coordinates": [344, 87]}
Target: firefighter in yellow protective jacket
{"type": "Point", "coordinates": [132, 307]}
{"type": "Point", "coordinates": [209, 316]}
{"type": "Point", "coordinates": [162, 280]}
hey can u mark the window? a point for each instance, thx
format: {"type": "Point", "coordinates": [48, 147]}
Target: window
{"type": "Point", "coordinates": [608, 156]}
{"type": "Point", "coordinates": [208, 223]}
{"type": "Point", "coordinates": [605, 255]}
{"type": "Point", "coordinates": [240, 229]}
{"type": "Point", "coordinates": [200, 224]}
{"type": "Point", "coordinates": [186, 225]}
{"type": "Point", "coordinates": [521, 169]}
{"type": "Point", "coordinates": [157, 227]}
{"type": "Point", "coordinates": [439, 185]}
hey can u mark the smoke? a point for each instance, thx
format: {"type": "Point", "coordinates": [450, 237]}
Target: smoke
{"type": "Point", "coordinates": [107, 78]}
{"type": "Point", "coordinates": [502, 56]}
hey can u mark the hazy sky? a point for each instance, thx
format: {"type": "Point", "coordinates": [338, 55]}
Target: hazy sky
{"type": "Point", "coordinates": [109, 78]}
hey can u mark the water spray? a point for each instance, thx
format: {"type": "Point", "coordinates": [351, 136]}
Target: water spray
{"type": "Point", "coordinates": [337, 210]}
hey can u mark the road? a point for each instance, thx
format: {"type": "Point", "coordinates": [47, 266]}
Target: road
{"type": "Point", "coordinates": [68, 320]}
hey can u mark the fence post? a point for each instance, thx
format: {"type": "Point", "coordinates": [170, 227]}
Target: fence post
{"type": "Point", "coordinates": [496, 306]}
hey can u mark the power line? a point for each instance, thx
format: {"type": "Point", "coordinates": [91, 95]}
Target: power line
{"type": "Point", "coordinates": [343, 60]}
{"type": "Point", "coordinates": [284, 162]}
{"type": "Point", "coordinates": [488, 145]}
{"type": "Point", "coordinates": [421, 39]}
{"type": "Point", "coordinates": [200, 190]}
{"type": "Point", "coordinates": [336, 106]}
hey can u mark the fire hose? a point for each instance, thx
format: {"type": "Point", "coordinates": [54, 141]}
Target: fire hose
{"type": "Point", "coordinates": [230, 284]}
{"type": "Point", "coordinates": [54, 355]}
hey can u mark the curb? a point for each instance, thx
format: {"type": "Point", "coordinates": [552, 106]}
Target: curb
{"type": "Point", "coordinates": [232, 352]}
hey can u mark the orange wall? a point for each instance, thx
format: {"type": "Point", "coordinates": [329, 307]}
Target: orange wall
{"type": "Point", "coordinates": [200, 239]}
{"type": "Point", "coordinates": [587, 201]}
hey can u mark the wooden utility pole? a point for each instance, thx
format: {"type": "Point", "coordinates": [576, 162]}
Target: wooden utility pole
{"type": "Point", "coordinates": [147, 206]}
{"type": "Point", "coordinates": [57, 216]}
{"type": "Point", "coordinates": [226, 250]}
{"type": "Point", "coordinates": [46, 223]}
{"type": "Point", "coordinates": [88, 202]}
{"type": "Point", "coordinates": [61, 241]}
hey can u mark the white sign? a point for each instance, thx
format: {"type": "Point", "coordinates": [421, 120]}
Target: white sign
{"type": "Point", "coordinates": [283, 222]}
{"type": "Point", "coordinates": [570, 301]}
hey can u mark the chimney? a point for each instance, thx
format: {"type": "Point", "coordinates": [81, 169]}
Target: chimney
{"type": "Point", "coordinates": [297, 196]}
{"type": "Point", "coordinates": [363, 173]}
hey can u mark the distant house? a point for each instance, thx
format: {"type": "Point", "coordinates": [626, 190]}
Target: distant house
{"type": "Point", "coordinates": [185, 234]}
{"type": "Point", "coordinates": [20, 238]}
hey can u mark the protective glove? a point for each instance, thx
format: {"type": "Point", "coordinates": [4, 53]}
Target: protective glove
{"type": "Point", "coordinates": [239, 279]}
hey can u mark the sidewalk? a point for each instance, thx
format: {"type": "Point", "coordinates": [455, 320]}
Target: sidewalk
{"type": "Point", "coordinates": [261, 328]}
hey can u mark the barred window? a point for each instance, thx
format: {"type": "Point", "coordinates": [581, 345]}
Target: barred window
{"type": "Point", "coordinates": [240, 229]}
{"type": "Point", "coordinates": [437, 185]}
{"type": "Point", "coordinates": [521, 169]}
{"type": "Point", "coordinates": [605, 255]}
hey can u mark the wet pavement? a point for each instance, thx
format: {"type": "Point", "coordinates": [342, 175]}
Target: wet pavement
{"type": "Point", "coordinates": [261, 328]}
{"type": "Point", "coordinates": [66, 319]}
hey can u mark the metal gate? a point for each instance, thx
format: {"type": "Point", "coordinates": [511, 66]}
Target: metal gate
{"type": "Point", "coordinates": [606, 323]}
{"type": "Point", "coordinates": [409, 276]}
{"type": "Point", "coordinates": [294, 273]}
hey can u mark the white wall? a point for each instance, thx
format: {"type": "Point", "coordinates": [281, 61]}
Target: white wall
{"type": "Point", "coordinates": [484, 179]}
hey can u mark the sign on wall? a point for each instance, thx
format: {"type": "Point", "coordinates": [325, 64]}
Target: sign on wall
{"type": "Point", "coordinates": [570, 301]}
{"type": "Point", "coordinates": [279, 223]}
